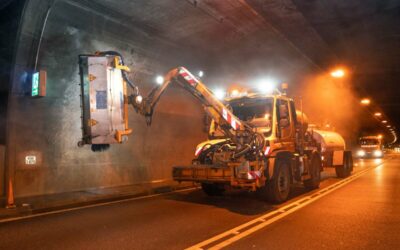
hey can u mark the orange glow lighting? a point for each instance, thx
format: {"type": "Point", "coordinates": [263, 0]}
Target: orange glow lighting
{"type": "Point", "coordinates": [339, 73]}
{"type": "Point", "coordinates": [235, 92]}
{"type": "Point", "coordinates": [365, 101]}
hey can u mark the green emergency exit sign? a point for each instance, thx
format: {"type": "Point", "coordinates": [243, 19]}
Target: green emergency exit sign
{"type": "Point", "coordinates": [38, 83]}
{"type": "Point", "coordinates": [35, 84]}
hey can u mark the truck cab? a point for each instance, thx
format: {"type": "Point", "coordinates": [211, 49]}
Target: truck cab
{"type": "Point", "coordinates": [272, 116]}
{"type": "Point", "coordinates": [289, 155]}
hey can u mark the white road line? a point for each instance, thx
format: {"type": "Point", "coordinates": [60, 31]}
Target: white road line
{"type": "Point", "coordinates": [236, 234]}
{"type": "Point", "coordinates": [93, 205]}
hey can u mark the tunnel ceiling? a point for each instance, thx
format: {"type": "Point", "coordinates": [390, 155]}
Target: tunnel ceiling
{"type": "Point", "coordinates": [363, 35]}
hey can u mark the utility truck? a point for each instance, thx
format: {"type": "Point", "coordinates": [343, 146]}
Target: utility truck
{"type": "Point", "coordinates": [257, 142]}
{"type": "Point", "coordinates": [370, 147]}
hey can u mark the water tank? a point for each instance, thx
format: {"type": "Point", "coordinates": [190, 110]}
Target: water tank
{"type": "Point", "coordinates": [329, 140]}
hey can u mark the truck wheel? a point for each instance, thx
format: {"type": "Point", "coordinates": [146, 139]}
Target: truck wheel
{"type": "Point", "coordinates": [315, 172]}
{"type": "Point", "coordinates": [212, 189]}
{"type": "Point", "coordinates": [279, 186]}
{"type": "Point", "coordinates": [344, 170]}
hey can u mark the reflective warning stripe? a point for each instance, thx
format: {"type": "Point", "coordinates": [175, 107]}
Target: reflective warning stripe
{"type": "Point", "coordinates": [225, 114]}
{"type": "Point", "coordinates": [267, 150]}
{"type": "Point", "coordinates": [253, 175]}
{"type": "Point", "coordinates": [188, 77]}
{"type": "Point", "coordinates": [192, 80]}
{"type": "Point", "coordinates": [229, 118]}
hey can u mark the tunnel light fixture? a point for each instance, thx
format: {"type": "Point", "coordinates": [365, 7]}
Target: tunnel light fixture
{"type": "Point", "coordinates": [219, 94]}
{"type": "Point", "coordinates": [201, 73]}
{"type": "Point", "coordinates": [378, 114]}
{"type": "Point", "coordinates": [338, 73]}
{"type": "Point", "coordinates": [384, 121]}
{"type": "Point", "coordinates": [266, 86]}
{"type": "Point", "coordinates": [365, 101]}
{"type": "Point", "coordinates": [159, 80]}
{"type": "Point", "coordinates": [235, 93]}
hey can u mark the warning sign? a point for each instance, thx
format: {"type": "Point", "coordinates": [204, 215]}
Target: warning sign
{"type": "Point", "coordinates": [30, 160]}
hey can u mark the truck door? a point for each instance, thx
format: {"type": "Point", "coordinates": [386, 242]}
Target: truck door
{"type": "Point", "coordinates": [285, 129]}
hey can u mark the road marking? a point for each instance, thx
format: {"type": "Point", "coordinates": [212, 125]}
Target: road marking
{"type": "Point", "coordinates": [93, 205]}
{"type": "Point", "coordinates": [226, 238]}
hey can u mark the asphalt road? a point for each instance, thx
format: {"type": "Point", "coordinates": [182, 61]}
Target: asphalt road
{"type": "Point", "coordinates": [362, 212]}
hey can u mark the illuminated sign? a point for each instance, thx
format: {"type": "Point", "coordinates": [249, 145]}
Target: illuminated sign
{"type": "Point", "coordinates": [38, 84]}
{"type": "Point", "coordinates": [35, 84]}
{"type": "Point", "coordinates": [30, 160]}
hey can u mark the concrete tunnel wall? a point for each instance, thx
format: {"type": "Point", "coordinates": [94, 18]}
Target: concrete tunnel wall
{"type": "Point", "coordinates": [49, 127]}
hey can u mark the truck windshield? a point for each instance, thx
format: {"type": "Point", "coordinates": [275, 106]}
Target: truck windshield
{"type": "Point", "coordinates": [369, 142]}
{"type": "Point", "coordinates": [255, 111]}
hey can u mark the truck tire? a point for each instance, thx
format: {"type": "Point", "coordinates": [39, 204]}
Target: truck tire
{"type": "Point", "coordinates": [212, 189]}
{"type": "Point", "coordinates": [278, 187]}
{"type": "Point", "coordinates": [345, 170]}
{"type": "Point", "coordinates": [315, 169]}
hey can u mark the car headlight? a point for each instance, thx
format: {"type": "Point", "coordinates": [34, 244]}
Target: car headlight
{"type": "Point", "coordinates": [361, 153]}
{"type": "Point", "coordinates": [378, 153]}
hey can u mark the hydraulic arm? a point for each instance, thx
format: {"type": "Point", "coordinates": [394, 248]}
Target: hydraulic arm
{"type": "Point", "coordinates": [236, 130]}
{"type": "Point", "coordinates": [104, 81]}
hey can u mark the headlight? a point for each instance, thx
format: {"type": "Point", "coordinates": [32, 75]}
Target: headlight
{"type": "Point", "coordinates": [139, 99]}
{"type": "Point", "coordinates": [378, 153]}
{"type": "Point", "coordinates": [360, 153]}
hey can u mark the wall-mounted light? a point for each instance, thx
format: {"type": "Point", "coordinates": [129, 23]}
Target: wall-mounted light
{"type": "Point", "coordinates": [159, 80]}
{"type": "Point", "coordinates": [219, 94]}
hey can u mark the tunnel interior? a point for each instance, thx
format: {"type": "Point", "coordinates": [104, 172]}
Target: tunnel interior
{"type": "Point", "coordinates": [233, 42]}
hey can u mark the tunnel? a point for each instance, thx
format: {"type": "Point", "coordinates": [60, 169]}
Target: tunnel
{"type": "Point", "coordinates": [51, 36]}
{"type": "Point", "coordinates": [232, 42]}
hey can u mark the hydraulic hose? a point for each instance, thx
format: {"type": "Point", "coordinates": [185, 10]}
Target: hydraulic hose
{"type": "Point", "coordinates": [246, 149]}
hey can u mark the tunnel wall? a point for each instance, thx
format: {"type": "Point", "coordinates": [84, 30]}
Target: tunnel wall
{"type": "Point", "coordinates": [10, 13]}
{"type": "Point", "coordinates": [49, 127]}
